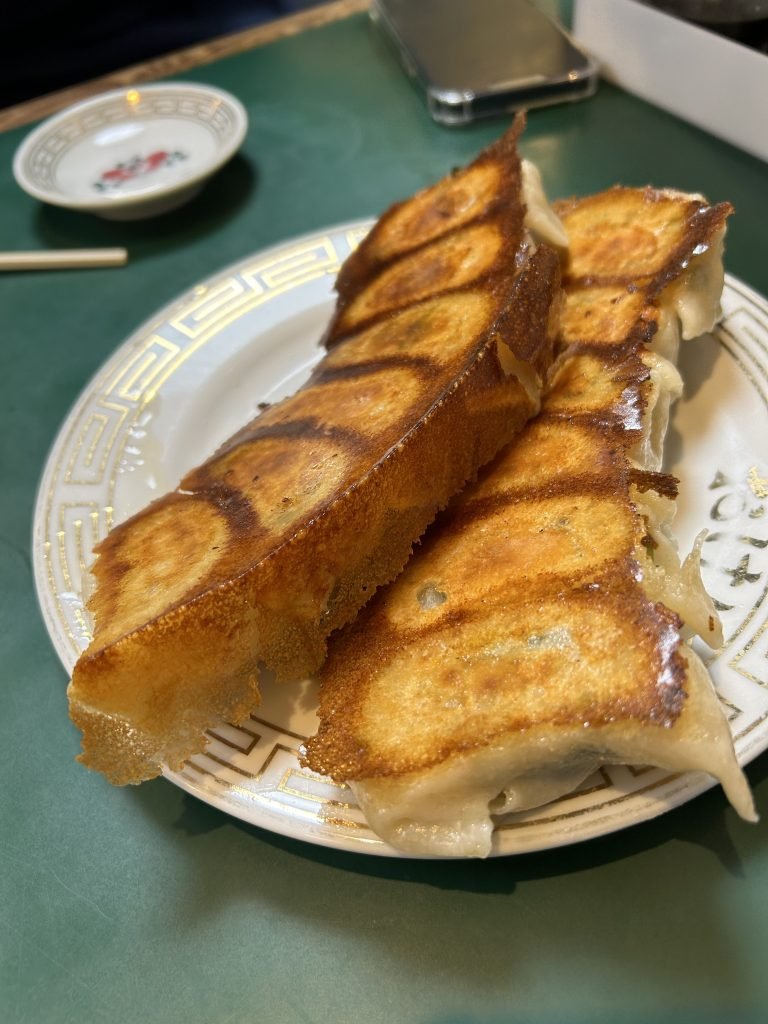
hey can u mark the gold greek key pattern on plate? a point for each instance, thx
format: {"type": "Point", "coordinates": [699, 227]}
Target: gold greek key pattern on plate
{"type": "Point", "coordinates": [135, 378]}
{"type": "Point", "coordinates": [218, 306]}
{"type": "Point", "coordinates": [94, 443]}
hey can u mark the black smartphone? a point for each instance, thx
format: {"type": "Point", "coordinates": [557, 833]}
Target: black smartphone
{"type": "Point", "coordinates": [479, 58]}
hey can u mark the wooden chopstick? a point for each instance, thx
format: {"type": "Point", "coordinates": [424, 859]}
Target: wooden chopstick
{"type": "Point", "coordinates": [63, 259]}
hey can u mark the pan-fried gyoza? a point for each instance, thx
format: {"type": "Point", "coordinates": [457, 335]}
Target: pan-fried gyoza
{"type": "Point", "coordinates": [436, 355]}
{"type": "Point", "coordinates": [540, 631]}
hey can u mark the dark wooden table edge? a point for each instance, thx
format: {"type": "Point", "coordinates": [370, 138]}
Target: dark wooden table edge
{"type": "Point", "coordinates": [179, 61]}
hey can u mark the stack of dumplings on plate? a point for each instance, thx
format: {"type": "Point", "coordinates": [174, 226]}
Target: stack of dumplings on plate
{"type": "Point", "coordinates": [541, 629]}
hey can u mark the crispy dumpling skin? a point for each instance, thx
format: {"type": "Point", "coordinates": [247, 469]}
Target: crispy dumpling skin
{"type": "Point", "coordinates": [537, 633]}
{"type": "Point", "coordinates": [287, 530]}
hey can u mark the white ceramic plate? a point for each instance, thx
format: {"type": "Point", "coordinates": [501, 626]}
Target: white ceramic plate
{"type": "Point", "coordinates": [132, 153]}
{"type": "Point", "coordinates": [195, 372]}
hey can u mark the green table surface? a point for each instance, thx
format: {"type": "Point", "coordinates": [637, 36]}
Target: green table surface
{"type": "Point", "coordinates": [143, 904]}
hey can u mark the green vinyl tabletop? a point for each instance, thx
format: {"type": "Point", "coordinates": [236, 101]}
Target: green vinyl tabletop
{"type": "Point", "coordinates": [143, 904]}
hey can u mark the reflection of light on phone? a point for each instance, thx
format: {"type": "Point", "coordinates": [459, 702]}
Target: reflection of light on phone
{"type": "Point", "coordinates": [488, 57]}
{"type": "Point", "coordinates": [133, 97]}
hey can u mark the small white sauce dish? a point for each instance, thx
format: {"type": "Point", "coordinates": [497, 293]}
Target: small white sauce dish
{"type": "Point", "coordinates": [132, 153]}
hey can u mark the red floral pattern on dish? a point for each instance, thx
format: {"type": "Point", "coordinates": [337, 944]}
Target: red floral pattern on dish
{"type": "Point", "coordinates": [137, 167]}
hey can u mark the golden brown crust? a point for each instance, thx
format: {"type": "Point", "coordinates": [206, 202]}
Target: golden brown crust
{"type": "Point", "coordinates": [635, 238]}
{"type": "Point", "coordinates": [287, 530]}
{"type": "Point", "coordinates": [469, 194]}
{"type": "Point", "coordinates": [471, 701]}
{"type": "Point", "coordinates": [512, 614]}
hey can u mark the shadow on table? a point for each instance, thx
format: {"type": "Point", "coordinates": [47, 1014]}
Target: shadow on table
{"type": "Point", "coordinates": [702, 822]}
{"type": "Point", "coordinates": [221, 199]}
{"type": "Point", "coordinates": [628, 1016]}
{"type": "Point", "coordinates": [481, 926]}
